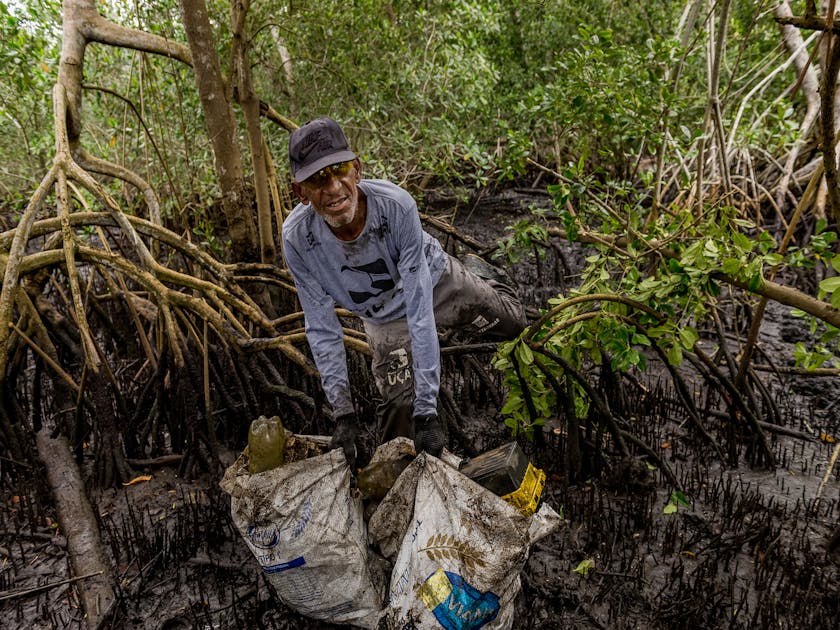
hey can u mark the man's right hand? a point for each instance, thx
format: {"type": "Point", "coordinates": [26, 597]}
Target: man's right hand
{"type": "Point", "coordinates": [344, 437]}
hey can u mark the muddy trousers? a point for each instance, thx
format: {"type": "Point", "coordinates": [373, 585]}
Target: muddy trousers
{"type": "Point", "coordinates": [480, 309]}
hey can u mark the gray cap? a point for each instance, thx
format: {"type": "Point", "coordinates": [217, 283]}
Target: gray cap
{"type": "Point", "coordinates": [317, 144]}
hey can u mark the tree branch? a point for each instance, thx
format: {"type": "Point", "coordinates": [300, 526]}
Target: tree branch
{"type": "Point", "coordinates": [103, 31]}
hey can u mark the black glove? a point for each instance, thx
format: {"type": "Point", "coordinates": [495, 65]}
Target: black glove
{"type": "Point", "coordinates": [428, 435]}
{"type": "Point", "coordinates": [344, 437]}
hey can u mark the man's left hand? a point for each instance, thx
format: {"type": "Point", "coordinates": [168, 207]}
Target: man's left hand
{"type": "Point", "coordinates": [428, 435]}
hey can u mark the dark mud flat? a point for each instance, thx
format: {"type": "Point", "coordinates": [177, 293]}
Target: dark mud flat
{"type": "Point", "coordinates": [750, 550]}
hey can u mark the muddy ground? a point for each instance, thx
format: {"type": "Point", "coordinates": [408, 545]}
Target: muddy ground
{"type": "Point", "coordinates": [749, 551]}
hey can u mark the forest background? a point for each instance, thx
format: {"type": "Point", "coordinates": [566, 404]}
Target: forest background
{"type": "Point", "coordinates": [145, 312]}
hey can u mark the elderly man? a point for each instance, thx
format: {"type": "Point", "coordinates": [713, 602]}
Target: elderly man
{"type": "Point", "coordinates": [358, 243]}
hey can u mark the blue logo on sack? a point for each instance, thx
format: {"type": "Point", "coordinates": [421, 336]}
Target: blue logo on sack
{"type": "Point", "coordinates": [262, 536]}
{"type": "Point", "coordinates": [457, 605]}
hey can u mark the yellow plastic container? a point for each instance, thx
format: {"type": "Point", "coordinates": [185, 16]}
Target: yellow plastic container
{"type": "Point", "coordinates": [507, 472]}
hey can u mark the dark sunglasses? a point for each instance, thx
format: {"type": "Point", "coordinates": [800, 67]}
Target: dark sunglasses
{"type": "Point", "coordinates": [322, 177]}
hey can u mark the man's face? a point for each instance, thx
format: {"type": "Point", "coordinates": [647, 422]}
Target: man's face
{"type": "Point", "coordinates": [333, 192]}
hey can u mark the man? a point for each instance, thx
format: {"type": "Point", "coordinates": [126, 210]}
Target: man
{"type": "Point", "coordinates": [358, 243]}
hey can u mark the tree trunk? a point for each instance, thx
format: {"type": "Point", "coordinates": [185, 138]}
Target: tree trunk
{"type": "Point", "coordinates": [222, 130]}
{"type": "Point", "coordinates": [828, 89]}
{"type": "Point", "coordinates": [111, 466]}
{"type": "Point", "coordinates": [809, 86]}
{"type": "Point", "coordinates": [250, 104]}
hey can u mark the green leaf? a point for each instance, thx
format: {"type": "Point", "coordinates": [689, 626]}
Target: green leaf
{"type": "Point", "coordinates": [829, 285]}
{"type": "Point", "coordinates": [658, 331]}
{"type": "Point", "coordinates": [524, 354]}
{"type": "Point", "coordinates": [835, 262]}
{"type": "Point", "coordinates": [674, 355]}
{"type": "Point", "coordinates": [678, 497]}
{"type": "Point", "coordinates": [731, 266]}
{"type": "Point", "coordinates": [501, 363]}
{"type": "Point", "coordinates": [513, 402]}
{"type": "Point", "coordinates": [742, 242]}
{"type": "Point", "coordinates": [585, 566]}
{"type": "Point", "coordinates": [688, 337]}
{"type": "Point", "coordinates": [676, 500]}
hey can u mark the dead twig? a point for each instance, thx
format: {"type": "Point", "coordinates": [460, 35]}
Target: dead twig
{"type": "Point", "coordinates": [829, 469]}
{"type": "Point", "coordinates": [45, 587]}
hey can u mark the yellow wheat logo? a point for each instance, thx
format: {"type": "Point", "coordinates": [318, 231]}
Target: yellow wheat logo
{"type": "Point", "coordinates": [446, 547]}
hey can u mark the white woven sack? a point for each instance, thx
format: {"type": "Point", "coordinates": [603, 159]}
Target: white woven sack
{"type": "Point", "coordinates": [304, 525]}
{"type": "Point", "coordinates": [457, 549]}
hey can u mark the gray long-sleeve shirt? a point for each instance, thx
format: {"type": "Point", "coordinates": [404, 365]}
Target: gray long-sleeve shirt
{"type": "Point", "coordinates": [389, 271]}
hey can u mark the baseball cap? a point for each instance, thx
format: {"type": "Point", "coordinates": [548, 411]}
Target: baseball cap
{"type": "Point", "coordinates": [317, 144]}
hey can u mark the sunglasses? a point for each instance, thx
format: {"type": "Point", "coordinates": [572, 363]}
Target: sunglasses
{"type": "Point", "coordinates": [322, 177]}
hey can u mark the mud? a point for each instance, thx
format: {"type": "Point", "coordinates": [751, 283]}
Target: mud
{"type": "Point", "coordinates": [751, 548]}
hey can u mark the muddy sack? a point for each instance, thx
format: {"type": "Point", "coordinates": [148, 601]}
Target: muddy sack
{"type": "Point", "coordinates": [457, 549]}
{"type": "Point", "coordinates": [304, 525]}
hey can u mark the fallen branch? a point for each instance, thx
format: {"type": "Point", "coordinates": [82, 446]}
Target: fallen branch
{"type": "Point", "coordinates": [78, 522]}
{"type": "Point", "coordinates": [446, 228]}
{"type": "Point", "coordinates": [156, 462]}
{"type": "Point", "coordinates": [44, 587]}
{"type": "Point", "coordinates": [797, 371]}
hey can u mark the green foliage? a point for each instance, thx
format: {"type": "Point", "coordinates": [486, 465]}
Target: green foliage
{"type": "Point", "coordinates": [466, 91]}
{"type": "Point", "coordinates": [821, 244]}
{"type": "Point", "coordinates": [28, 59]}
{"type": "Point", "coordinates": [528, 236]}
{"type": "Point", "coordinates": [408, 83]}
{"type": "Point", "coordinates": [525, 382]}
{"type": "Point", "coordinates": [145, 114]}
{"type": "Point", "coordinates": [665, 276]}
{"type": "Point", "coordinates": [824, 350]}
{"type": "Point", "coordinates": [595, 100]}
{"type": "Point", "coordinates": [206, 232]}
{"type": "Point", "coordinates": [452, 90]}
